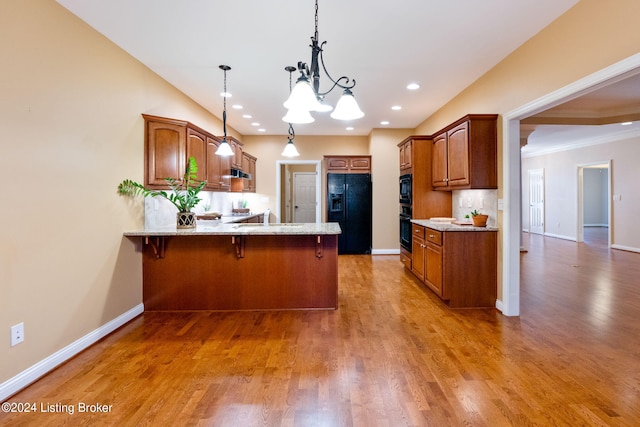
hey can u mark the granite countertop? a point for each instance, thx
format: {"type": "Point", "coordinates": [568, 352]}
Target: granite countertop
{"type": "Point", "coordinates": [244, 229]}
{"type": "Point", "coordinates": [230, 218]}
{"type": "Point", "coordinates": [444, 226]}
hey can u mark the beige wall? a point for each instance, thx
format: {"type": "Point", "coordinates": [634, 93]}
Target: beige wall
{"type": "Point", "coordinates": [71, 104]}
{"type": "Point", "coordinates": [72, 129]}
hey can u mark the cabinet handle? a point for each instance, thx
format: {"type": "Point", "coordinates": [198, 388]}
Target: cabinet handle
{"type": "Point", "coordinates": [417, 231]}
{"type": "Point", "coordinates": [431, 236]}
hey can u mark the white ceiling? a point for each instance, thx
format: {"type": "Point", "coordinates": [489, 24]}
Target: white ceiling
{"type": "Point", "coordinates": [444, 45]}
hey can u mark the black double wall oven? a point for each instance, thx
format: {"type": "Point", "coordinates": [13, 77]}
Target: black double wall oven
{"type": "Point", "coordinates": [405, 211]}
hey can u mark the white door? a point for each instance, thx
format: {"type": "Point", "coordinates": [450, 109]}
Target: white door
{"type": "Point", "coordinates": [304, 197]}
{"type": "Point", "coordinates": [536, 201]}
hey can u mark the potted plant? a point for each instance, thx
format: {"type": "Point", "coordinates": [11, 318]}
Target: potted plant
{"type": "Point", "coordinates": [479, 220]}
{"type": "Point", "coordinates": [184, 195]}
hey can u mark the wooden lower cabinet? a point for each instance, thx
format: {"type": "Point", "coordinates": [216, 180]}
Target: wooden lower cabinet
{"type": "Point", "coordinates": [461, 267]}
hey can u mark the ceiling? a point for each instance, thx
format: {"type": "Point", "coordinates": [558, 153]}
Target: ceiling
{"type": "Point", "coordinates": [442, 45]}
{"type": "Point", "coordinates": [591, 118]}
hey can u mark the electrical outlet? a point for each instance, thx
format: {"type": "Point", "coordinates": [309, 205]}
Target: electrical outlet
{"type": "Point", "coordinates": [17, 334]}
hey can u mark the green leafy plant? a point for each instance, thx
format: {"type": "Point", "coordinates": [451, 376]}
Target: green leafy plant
{"type": "Point", "coordinates": [185, 192]}
{"type": "Point", "coordinates": [475, 212]}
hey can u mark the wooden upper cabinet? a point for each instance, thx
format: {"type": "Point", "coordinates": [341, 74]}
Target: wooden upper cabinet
{"type": "Point", "coordinates": [165, 151]}
{"type": "Point", "coordinates": [406, 154]}
{"type": "Point", "coordinates": [197, 148]}
{"type": "Point", "coordinates": [465, 154]}
{"type": "Point", "coordinates": [348, 164]}
{"type": "Point", "coordinates": [249, 166]}
{"type": "Point", "coordinates": [168, 145]}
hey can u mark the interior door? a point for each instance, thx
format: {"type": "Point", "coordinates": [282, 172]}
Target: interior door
{"type": "Point", "coordinates": [304, 197]}
{"type": "Point", "coordinates": [536, 201]}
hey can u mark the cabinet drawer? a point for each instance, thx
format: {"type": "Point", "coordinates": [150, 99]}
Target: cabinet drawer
{"type": "Point", "coordinates": [433, 236]}
{"type": "Point", "coordinates": [417, 231]}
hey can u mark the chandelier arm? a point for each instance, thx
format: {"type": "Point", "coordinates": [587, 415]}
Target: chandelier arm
{"type": "Point", "coordinates": [346, 79]}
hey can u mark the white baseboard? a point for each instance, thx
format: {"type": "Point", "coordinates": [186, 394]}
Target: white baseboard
{"type": "Point", "coordinates": [385, 252]}
{"type": "Point", "coordinates": [31, 374]}
{"type": "Point", "coordinates": [625, 248]}
{"type": "Point", "coordinates": [560, 236]}
{"type": "Point", "coordinates": [499, 305]}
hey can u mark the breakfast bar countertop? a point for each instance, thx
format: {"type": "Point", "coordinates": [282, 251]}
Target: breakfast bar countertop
{"type": "Point", "coordinates": [244, 229]}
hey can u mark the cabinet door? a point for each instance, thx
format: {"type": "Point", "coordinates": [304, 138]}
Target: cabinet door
{"type": "Point", "coordinates": [360, 164]}
{"type": "Point", "coordinates": [165, 152]}
{"type": "Point", "coordinates": [418, 257]}
{"type": "Point", "coordinates": [433, 273]}
{"type": "Point", "coordinates": [197, 148]}
{"type": "Point", "coordinates": [338, 164]}
{"type": "Point", "coordinates": [439, 161]}
{"type": "Point", "coordinates": [236, 159]}
{"type": "Point", "coordinates": [458, 155]}
{"type": "Point", "coordinates": [214, 175]}
{"type": "Point", "coordinates": [405, 155]}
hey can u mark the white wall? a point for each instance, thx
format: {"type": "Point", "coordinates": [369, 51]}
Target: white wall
{"type": "Point", "coordinates": [596, 197]}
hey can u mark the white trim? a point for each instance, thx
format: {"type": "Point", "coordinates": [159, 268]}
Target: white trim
{"type": "Point", "coordinates": [385, 251]}
{"type": "Point", "coordinates": [318, 164]}
{"type": "Point", "coordinates": [560, 236]}
{"type": "Point", "coordinates": [499, 305]}
{"type": "Point", "coordinates": [31, 374]}
{"type": "Point", "coordinates": [511, 163]}
{"type": "Point", "coordinates": [625, 248]}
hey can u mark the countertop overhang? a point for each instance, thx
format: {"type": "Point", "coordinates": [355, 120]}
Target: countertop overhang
{"type": "Point", "coordinates": [444, 226]}
{"type": "Point", "coordinates": [244, 229]}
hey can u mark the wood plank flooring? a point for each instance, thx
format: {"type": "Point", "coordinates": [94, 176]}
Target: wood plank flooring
{"type": "Point", "coordinates": [391, 355]}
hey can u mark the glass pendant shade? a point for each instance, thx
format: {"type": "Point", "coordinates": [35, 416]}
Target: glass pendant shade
{"type": "Point", "coordinates": [290, 150]}
{"type": "Point", "coordinates": [347, 108]}
{"type": "Point", "coordinates": [302, 97]}
{"type": "Point", "coordinates": [224, 149]}
{"type": "Point", "coordinates": [298, 116]}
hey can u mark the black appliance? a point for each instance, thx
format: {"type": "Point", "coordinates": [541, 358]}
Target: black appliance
{"type": "Point", "coordinates": [405, 189]}
{"type": "Point", "coordinates": [349, 203]}
{"type": "Point", "coordinates": [405, 227]}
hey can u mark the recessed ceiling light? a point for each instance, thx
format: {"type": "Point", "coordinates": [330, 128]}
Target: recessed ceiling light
{"type": "Point", "coordinates": [396, 107]}
{"type": "Point", "coordinates": [237, 106]}
{"type": "Point", "coordinates": [255, 124]}
{"type": "Point", "coordinates": [626, 123]}
{"type": "Point", "coordinates": [384, 122]}
{"type": "Point", "coordinates": [413, 86]}
{"type": "Point", "coordinates": [262, 130]}
{"type": "Point", "coordinates": [226, 94]}
{"type": "Point", "coordinates": [350, 128]}
{"type": "Point", "coordinates": [247, 116]}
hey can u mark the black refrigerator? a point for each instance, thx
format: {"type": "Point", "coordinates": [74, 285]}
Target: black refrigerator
{"type": "Point", "coordinates": [349, 204]}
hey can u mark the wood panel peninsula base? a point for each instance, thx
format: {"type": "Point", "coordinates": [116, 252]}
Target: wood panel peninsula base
{"type": "Point", "coordinates": [241, 267]}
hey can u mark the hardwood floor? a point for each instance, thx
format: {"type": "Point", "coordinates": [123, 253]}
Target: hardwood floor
{"type": "Point", "coordinates": [391, 355]}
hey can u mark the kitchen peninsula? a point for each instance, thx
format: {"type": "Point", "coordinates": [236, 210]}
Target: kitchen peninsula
{"type": "Point", "coordinates": [240, 266]}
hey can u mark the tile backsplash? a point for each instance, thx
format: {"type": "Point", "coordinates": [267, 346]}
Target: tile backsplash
{"type": "Point", "coordinates": [485, 201]}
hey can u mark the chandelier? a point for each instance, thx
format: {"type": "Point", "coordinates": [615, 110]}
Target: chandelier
{"type": "Point", "coordinates": [306, 95]}
{"type": "Point", "coordinates": [224, 149]}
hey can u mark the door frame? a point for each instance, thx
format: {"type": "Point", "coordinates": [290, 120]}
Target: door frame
{"type": "Point", "coordinates": [318, 165]}
{"type": "Point", "coordinates": [511, 165]}
{"type": "Point", "coordinates": [580, 219]}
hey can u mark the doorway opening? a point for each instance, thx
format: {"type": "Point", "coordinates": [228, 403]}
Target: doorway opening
{"type": "Point", "coordinates": [286, 172]}
{"type": "Point", "coordinates": [594, 201]}
{"type": "Point", "coordinates": [512, 192]}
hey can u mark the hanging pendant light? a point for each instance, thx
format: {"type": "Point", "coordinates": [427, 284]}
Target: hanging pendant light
{"type": "Point", "coordinates": [306, 95]}
{"type": "Point", "coordinates": [290, 149]}
{"type": "Point", "coordinates": [224, 149]}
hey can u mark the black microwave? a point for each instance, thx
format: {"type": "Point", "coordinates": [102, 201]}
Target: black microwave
{"type": "Point", "coordinates": [405, 189]}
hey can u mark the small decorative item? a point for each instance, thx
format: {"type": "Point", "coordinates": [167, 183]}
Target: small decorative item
{"type": "Point", "coordinates": [184, 196]}
{"type": "Point", "coordinates": [479, 220]}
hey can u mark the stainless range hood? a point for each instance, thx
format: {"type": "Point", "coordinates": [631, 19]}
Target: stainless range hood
{"type": "Point", "coordinates": [237, 173]}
